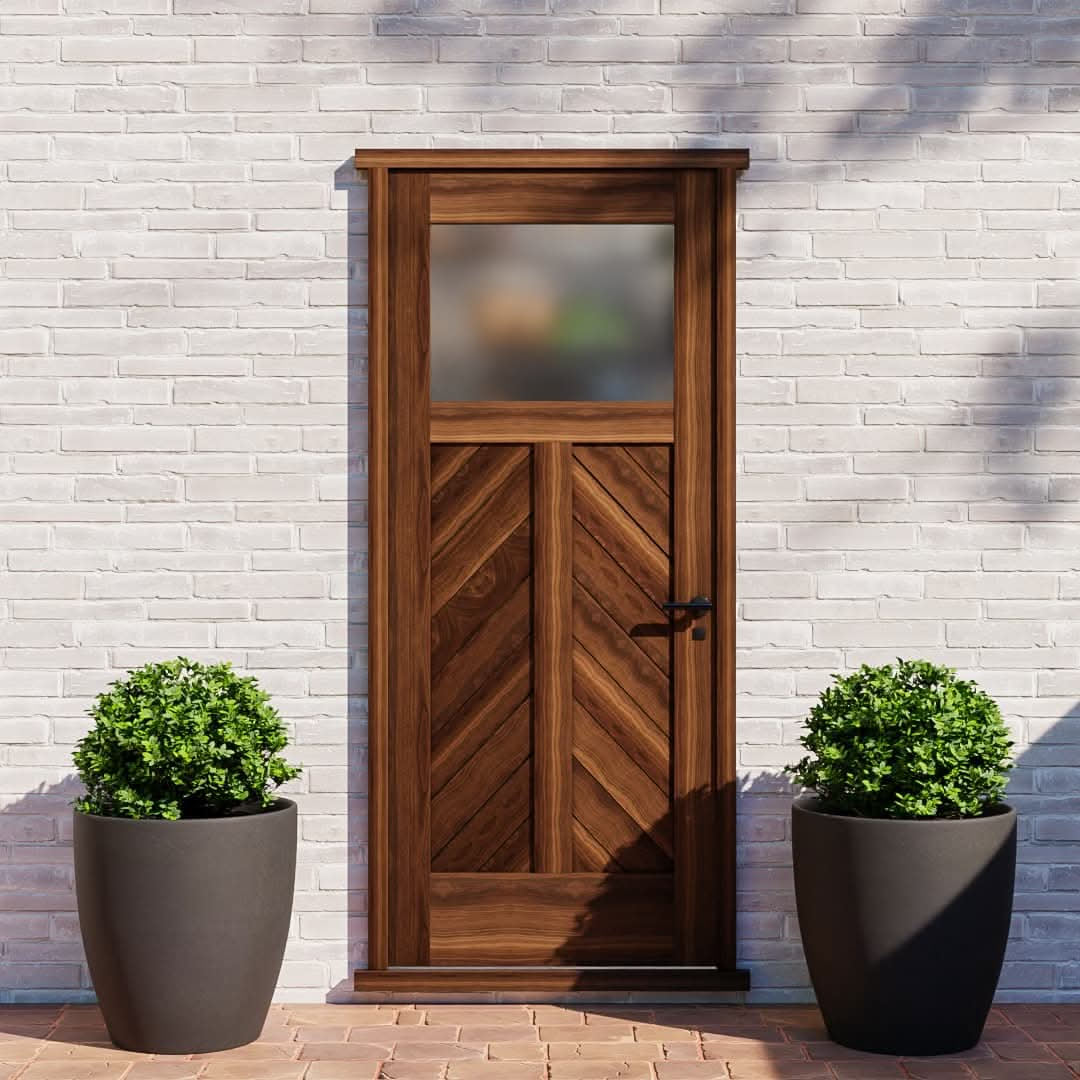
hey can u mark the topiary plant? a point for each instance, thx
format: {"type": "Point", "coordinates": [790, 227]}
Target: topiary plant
{"type": "Point", "coordinates": [905, 741]}
{"type": "Point", "coordinates": [181, 739]}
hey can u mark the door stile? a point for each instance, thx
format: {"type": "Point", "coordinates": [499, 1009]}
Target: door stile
{"type": "Point", "coordinates": [692, 508]}
{"type": "Point", "coordinates": [553, 538]}
{"type": "Point", "coordinates": [410, 549]}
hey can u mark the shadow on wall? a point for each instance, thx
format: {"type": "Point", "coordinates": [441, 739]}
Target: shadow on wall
{"type": "Point", "coordinates": [347, 180]}
{"type": "Point", "coordinates": [41, 954]}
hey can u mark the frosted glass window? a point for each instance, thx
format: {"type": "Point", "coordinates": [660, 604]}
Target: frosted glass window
{"type": "Point", "coordinates": [552, 312]}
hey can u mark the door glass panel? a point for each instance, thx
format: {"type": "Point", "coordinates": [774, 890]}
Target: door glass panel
{"type": "Point", "coordinates": [552, 312]}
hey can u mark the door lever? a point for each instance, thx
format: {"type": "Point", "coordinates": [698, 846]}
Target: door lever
{"type": "Point", "coordinates": [695, 603]}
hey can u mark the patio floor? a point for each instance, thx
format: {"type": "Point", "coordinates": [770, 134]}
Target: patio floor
{"type": "Point", "coordinates": [541, 1042]}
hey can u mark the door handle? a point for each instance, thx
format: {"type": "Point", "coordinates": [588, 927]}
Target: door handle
{"type": "Point", "coordinates": [694, 604]}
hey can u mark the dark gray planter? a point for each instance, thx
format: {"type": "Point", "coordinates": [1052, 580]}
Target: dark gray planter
{"type": "Point", "coordinates": [184, 924]}
{"type": "Point", "coordinates": [904, 924]}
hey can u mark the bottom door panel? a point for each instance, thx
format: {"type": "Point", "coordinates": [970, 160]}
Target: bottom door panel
{"type": "Point", "coordinates": [560, 919]}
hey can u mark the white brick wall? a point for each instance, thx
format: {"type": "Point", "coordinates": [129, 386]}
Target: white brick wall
{"type": "Point", "coordinates": [182, 333]}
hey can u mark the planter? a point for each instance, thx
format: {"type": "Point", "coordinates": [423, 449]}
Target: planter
{"type": "Point", "coordinates": [904, 924]}
{"type": "Point", "coordinates": [184, 924]}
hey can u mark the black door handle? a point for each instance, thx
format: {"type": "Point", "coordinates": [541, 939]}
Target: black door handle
{"type": "Point", "coordinates": [695, 603]}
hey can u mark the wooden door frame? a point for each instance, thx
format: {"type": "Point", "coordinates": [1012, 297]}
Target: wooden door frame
{"type": "Point", "coordinates": [379, 165]}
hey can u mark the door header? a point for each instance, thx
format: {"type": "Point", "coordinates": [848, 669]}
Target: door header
{"type": "Point", "coordinates": [377, 158]}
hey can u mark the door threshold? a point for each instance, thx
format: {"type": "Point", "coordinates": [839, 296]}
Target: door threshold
{"type": "Point", "coordinates": [550, 979]}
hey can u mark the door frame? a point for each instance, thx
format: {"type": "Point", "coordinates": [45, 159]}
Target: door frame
{"type": "Point", "coordinates": [378, 164]}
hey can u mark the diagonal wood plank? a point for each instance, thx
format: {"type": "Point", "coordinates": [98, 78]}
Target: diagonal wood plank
{"type": "Point", "coordinates": [626, 845]}
{"type": "Point", "coordinates": [514, 855]}
{"type": "Point", "coordinates": [478, 538]}
{"type": "Point", "coordinates": [621, 778]}
{"type": "Point", "coordinates": [631, 488]}
{"type": "Point", "coordinates": [484, 773]}
{"type": "Point", "coordinates": [494, 823]}
{"type": "Point", "coordinates": [589, 854]}
{"type": "Point", "coordinates": [637, 614]}
{"type": "Point", "coordinates": [481, 596]}
{"type": "Point", "coordinates": [620, 535]}
{"type": "Point", "coordinates": [646, 743]}
{"type": "Point", "coordinates": [462, 735]}
{"type": "Point", "coordinates": [620, 655]}
{"type": "Point", "coordinates": [446, 460]}
{"type": "Point", "coordinates": [464, 495]}
{"type": "Point", "coordinates": [469, 668]}
{"type": "Point", "coordinates": [656, 463]}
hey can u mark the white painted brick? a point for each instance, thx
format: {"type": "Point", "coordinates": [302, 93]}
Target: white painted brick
{"type": "Point", "coordinates": [264, 99]}
{"type": "Point", "coordinates": [118, 50]}
{"type": "Point", "coordinates": [174, 339]}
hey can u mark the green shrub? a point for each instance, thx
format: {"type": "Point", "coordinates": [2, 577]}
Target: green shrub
{"type": "Point", "coordinates": [179, 740]}
{"type": "Point", "coordinates": [905, 741]}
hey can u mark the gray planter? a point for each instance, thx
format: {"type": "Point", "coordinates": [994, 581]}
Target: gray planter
{"type": "Point", "coordinates": [904, 924]}
{"type": "Point", "coordinates": [184, 924]}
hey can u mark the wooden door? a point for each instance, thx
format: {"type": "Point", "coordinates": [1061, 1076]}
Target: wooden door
{"type": "Point", "coordinates": [551, 747]}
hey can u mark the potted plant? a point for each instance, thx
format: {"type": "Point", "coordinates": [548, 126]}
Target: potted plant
{"type": "Point", "coordinates": [904, 857]}
{"type": "Point", "coordinates": [184, 858]}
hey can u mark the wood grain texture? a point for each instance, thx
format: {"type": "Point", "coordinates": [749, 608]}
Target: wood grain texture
{"type": "Point", "coordinates": [378, 157]}
{"type": "Point", "coordinates": [599, 635]}
{"type": "Point", "coordinates": [379, 703]}
{"type": "Point", "coordinates": [694, 525]}
{"type": "Point", "coordinates": [496, 517]}
{"type": "Point", "coordinates": [638, 613]}
{"type": "Point", "coordinates": [486, 802]}
{"type": "Point", "coordinates": [463, 734]}
{"type": "Point", "coordinates": [553, 647]}
{"type": "Point", "coordinates": [469, 608]}
{"type": "Point", "coordinates": [451, 980]}
{"type": "Point", "coordinates": [619, 534]}
{"type": "Point", "coordinates": [726, 366]}
{"type": "Point", "coordinates": [462, 497]}
{"type": "Point", "coordinates": [446, 460]}
{"type": "Point", "coordinates": [622, 716]}
{"type": "Point", "coordinates": [503, 633]}
{"type": "Point", "coordinates": [553, 197]}
{"type": "Point", "coordinates": [550, 918]}
{"type": "Point", "coordinates": [656, 461]}
{"type": "Point", "coordinates": [409, 534]}
{"type": "Point", "coordinates": [632, 488]}
{"type": "Point", "coordinates": [602, 696]}
{"type": "Point", "coordinates": [614, 769]}
{"type": "Point", "coordinates": [612, 841]}
{"type": "Point", "coordinates": [551, 421]}
{"type": "Point", "coordinates": [481, 659]}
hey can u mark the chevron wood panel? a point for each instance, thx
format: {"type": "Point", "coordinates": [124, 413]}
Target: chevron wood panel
{"type": "Point", "coordinates": [622, 659]}
{"type": "Point", "coordinates": [481, 659]}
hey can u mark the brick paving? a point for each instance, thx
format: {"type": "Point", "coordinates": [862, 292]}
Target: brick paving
{"type": "Point", "coordinates": [536, 1042]}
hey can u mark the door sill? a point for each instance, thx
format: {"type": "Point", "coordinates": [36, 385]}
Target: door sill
{"type": "Point", "coordinates": [550, 979]}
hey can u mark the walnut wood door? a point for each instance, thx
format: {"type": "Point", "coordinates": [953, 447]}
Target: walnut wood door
{"type": "Point", "coordinates": [550, 734]}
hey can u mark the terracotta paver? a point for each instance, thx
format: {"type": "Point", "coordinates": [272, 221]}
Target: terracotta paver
{"type": "Point", "coordinates": [175, 1070]}
{"type": "Point", "coordinates": [239, 1070]}
{"type": "Point", "coordinates": [599, 1070]}
{"type": "Point", "coordinates": [341, 1070]}
{"type": "Point", "coordinates": [345, 1051]}
{"type": "Point", "coordinates": [537, 1042]}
